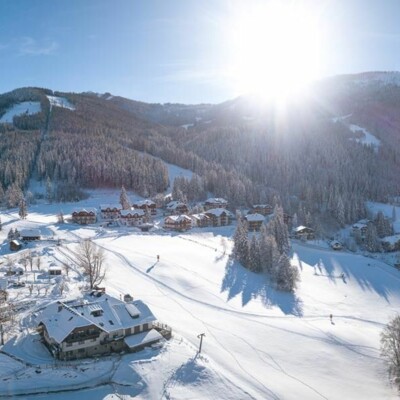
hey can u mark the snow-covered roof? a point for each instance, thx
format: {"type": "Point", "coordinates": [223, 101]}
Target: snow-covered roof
{"type": "Point", "coordinates": [84, 210]}
{"type": "Point", "coordinates": [173, 205]}
{"type": "Point", "coordinates": [216, 200]}
{"type": "Point", "coordinates": [55, 268]}
{"type": "Point", "coordinates": [199, 216]}
{"type": "Point", "coordinates": [336, 243]}
{"type": "Point", "coordinates": [359, 225]}
{"type": "Point", "coordinates": [178, 218]}
{"type": "Point", "coordinates": [142, 338]}
{"type": "Point", "coordinates": [145, 202]}
{"type": "Point", "coordinates": [393, 239]}
{"type": "Point", "coordinates": [107, 313]}
{"type": "Point", "coordinates": [255, 217]}
{"type": "Point", "coordinates": [125, 213]}
{"type": "Point", "coordinates": [301, 228]}
{"type": "Point", "coordinates": [262, 206]}
{"type": "Point", "coordinates": [30, 232]}
{"type": "Point", "coordinates": [104, 207]}
{"type": "Point", "coordinates": [219, 211]}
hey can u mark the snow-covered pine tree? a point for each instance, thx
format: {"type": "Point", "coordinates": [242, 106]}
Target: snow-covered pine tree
{"type": "Point", "coordinates": [279, 230]}
{"type": "Point", "coordinates": [371, 239]}
{"type": "Point", "coordinates": [269, 253]}
{"type": "Point", "coordinates": [23, 211]}
{"type": "Point", "coordinates": [254, 255]}
{"type": "Point", "coordinates": [286, 275]}
{"type": "Point", "coordinates": [124, 200]}
{"type": "Point", "coordinates": [241, 243]}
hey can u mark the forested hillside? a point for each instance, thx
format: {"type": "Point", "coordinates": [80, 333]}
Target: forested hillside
{"type": "Point", "coordinates": [304, 154]}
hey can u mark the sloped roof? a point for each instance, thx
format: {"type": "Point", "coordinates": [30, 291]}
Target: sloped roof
{"type": "Point", "coordinates": [255, 217]}
{"type": "Point", "coordinates": [87, 210]}
{"type": "Point", "coordinates": [178, 218]}
{"type": "Point", "coordinates": [145, 202]}
{"type": "Point", "coordinates": [219, 211]}
{"type": "Point", "coordinates": [142, 338]}
{"type": "Point", "coordinates": [125, 213]}
{"type": "Point", "coordinates": [112, 314]}
{"type": "Point", "coordinates": [104, 207]}
{"type": "Point", "coordinates": [216, 200]}
{"type": "Point", "coordinates": [30, 232]}
{"type": "Point", "coordinates": [172, 205]}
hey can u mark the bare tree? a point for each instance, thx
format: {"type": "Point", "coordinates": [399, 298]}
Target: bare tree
{"type": "Point", "coordinates": [24, 262]}
{"type": "Point", "coordinates": [38, 262]}
{"type": "Point", "coordinates": [390, 348]}
{"type": "Point", "coordinates": [62, 287]}
{"type": "Point", "coordinates": [91, 259]}
{"type": "Point", "coordinates": [67, 268]}
{"type": "Point", "coordinates": [30, 260]}
{"type": "Point", "coordinates": [30, 288]}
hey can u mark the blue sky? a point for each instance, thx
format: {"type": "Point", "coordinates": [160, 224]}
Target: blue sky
{"type": "Point", "coordinates": [169, 50]}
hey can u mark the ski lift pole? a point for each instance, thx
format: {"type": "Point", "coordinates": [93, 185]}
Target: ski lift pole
{"type": "Point", "coordinates": [201, 340]}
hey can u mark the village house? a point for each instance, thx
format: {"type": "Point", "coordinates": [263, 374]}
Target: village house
{"type": "Point", "coordinates": [263, 209]}
{"type": "Point", "coordinates": [177, 223]}
{"type": "Point", "coordinates": [132, 217]}
{"type": "Point", "coordinates": [110, 211]}
{"type": "Point", "coordinates": [28, 235]}
{"type": "Point", "coordinates": [177, 208]}
{"type": "Point", "coordinates": [304, 233]}
{"type": "Point", "coordinates": [336, 245]}
{"type": "Point", "coordinates": [84, 216]}
{"type": "Point", "coordinates": [146, 205]}
{"type": "Point", "coordinates": [360, 229]}
{"type": "Point", "coordinates": [254, 221]}
{"type": "Point", "coordinates": [215, 202]}
{"type": "Point", "coordinates": [97, 325]}
{"type": "Point", "coordinates": [200, 220]}
{"type": "Point", "coordinates": [391, 243]}
{"type": "Point", "coordinates": [219, 216]}
{"type": "Point", "coordinates": [15, 245]}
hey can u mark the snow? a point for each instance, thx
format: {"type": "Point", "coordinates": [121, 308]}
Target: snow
{"type": "Point", "coordinates": [387, 210]}
{"type": "Point", "coordinates": [26, 107]}
{"type": "Point", "coordinates": [174, 171]}
{"type": "Point", "coordinates": [368, 139]}
{"type": "Point", "coordinates": [60, 102]}
{"type": "Point", "coordinates": [260, 343]}
{"type": "Point", "coordinates": [255, 217]}
{"type": "Point", "coordinates": [142, 338]}
{"type": "Point", "coordinates": [186, 126]}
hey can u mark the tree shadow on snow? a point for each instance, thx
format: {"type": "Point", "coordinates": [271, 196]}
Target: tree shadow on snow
{"type": "Point", "coordinates": [240, 281]}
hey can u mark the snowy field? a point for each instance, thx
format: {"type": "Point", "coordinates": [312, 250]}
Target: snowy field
{"type": "Point", "coordinates": [26, 107]}
{"type": "Point", "coordinates": [260, 343]}
{"type": "Point", "coordinates": [368, 138]}
{"type": "Point", "coordinates": [60, 102]}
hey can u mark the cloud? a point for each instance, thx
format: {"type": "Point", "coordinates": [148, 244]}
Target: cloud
{"type": "Point", "coordinates": [33, 47]}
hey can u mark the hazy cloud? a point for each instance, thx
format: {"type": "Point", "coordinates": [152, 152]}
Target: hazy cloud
{"type": "Point", "coordinates": [33, 47]}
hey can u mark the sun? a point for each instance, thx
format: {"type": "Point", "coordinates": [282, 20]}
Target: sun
{"type": "Point", "coordinates": [276, 50]}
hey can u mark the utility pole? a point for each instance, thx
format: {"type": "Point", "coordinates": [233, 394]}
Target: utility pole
{"type": "Point", "coordinates": [201, 340]}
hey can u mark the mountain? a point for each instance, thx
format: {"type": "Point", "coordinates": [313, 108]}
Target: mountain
{"type": "Point", "coordinates": [323, 155]}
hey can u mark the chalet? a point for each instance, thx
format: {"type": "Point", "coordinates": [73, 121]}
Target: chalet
{"type": "Point", "coordinates": [215, 202]}
{"type": "Point", "coordinates": [178, 223]}
{"type": "Point", "coordinates": [391, 243]}
{"type": "Point", "coordinates": [200, 220]}
{"type": "Point", "coordinates": [110, 211]}
{"type": "Point", "coordinates": [84, 216]}
{"type": "Point", "coordinates": [146, 205]}
{"type": "Point", "coordinates": [15, 245]}
{"type": "Point", "coordinates": [336, 245]}
{"type": "Point", "coordinates": [95, 326]}
{"type": "Point", "coordinates": [360, 228]}
{"type": "Point", "coordinates": [132, 217]}
{"type": "Point", "coordinates": [303, 232]}
{"type": "Point", "coordinates": [28, 235]}
{"type": "Point", "coordinates": [176, 208]}
{"type": "Point", "coordinates": [219, 216]}
{"type": "Point", "coordinates": [254, 221]}
{"type": "Point", "coordinates": [263, 209]}
{"type": "Point", "coordinates": [55, 270]}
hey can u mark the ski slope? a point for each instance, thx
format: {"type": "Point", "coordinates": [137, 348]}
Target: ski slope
{"type": "Point", "coordinates": [62, 102]}
{"type": "Point", "coordinates": [260, 343]}
{"type": "Point", "coordinates": [26, 107]}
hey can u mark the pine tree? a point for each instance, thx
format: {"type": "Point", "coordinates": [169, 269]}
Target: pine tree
{"type": "Point", "coordinates": [286, 275]}
{"type": "Point", "coordinates": [394, 216]}
{"type": "Point", "coordinates": [124, 200]}
{"type": "Point", "coordinates": [269, 253]}
{"type": "Point", "coordinates": [241, 243]}
{"type": "Point", "coordinates": [254, 255]}
{"type": "Point", "coordinates": [49, 189]}
{"type": "Point", "coordinates": [279, 230]}
{"type": "Point", "coordinates": [23, 212]}
{"type": "Point", "coordinates": [371, 239]}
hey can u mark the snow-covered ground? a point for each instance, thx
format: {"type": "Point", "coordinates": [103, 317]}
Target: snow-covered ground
{"type": "Point", "coordinates": [368, 137]}
{"type": "Point", "coordinates": [260, 343]}
{"type": "Point", "coordinates": [60, 102]}
{"type": "Point", "coordinates": [387, 211]}
{"type": "Point", "coordinates": [26, 107]}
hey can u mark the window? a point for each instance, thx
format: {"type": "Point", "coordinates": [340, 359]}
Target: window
{"type": "Point", "coordinates": [69, 344]}
{"type": "Point", "coordinates": [137, 329]}
{"type": "Point", "coordinates": [128, 331]}
{"type": "Point", "coordinates": [145, 327]}
{"type": "Point", "coordinates": [81, 350]}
